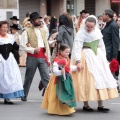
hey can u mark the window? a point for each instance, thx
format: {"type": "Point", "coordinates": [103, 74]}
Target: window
{"type": "Point", "coordinates": [71, 9]}
{"type": "Point", "coordinates": [90, 6]}
{"type": "Point", "coordinates": [8, 4]}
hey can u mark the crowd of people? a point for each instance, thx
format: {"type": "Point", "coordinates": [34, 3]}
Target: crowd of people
{"type": "Point", "coordinates": [73, 56]}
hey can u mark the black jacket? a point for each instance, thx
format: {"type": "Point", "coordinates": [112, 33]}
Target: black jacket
{"type": "Point", "coordinates": [111, 39]}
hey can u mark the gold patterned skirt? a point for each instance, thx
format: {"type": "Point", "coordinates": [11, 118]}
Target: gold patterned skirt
{"type": "Point", "coordinates": [51, 101]}
{"type": "Point", "coordinates": [23, 59]}
{"type": "Point", "coordinates": [85, 90]}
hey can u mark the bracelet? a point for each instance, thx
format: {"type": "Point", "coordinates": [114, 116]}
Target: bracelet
{"type": "Point", "coordinates": [78, 61]}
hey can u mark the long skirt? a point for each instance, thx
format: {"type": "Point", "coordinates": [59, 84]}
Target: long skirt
{"type": "Point", "coordinates": [10, 78]}
{"type": "Point", "coordinates": [84, 80]}
{"type": "Point", "coordinates": [23, 59]}
{"type": "Point", "coordinates": [51, 101]}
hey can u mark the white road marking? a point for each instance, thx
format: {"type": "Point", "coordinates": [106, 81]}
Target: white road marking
{"type": "Point", "coordinates": [115, 103]}
{"type": "Point", "coordinates": [33, 101]}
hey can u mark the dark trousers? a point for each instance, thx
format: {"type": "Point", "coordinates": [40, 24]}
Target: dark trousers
{"type": "Point", "coordinates": [31, 65]}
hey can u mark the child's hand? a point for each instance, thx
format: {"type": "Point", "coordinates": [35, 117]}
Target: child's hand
{"type": "Point", "coordinates": [28, 45]}
{"type": "Point", "coordinates": [63, 71]}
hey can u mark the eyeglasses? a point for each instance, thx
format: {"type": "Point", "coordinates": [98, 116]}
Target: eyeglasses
{"type": "Point", "coordinates": [87, 27]}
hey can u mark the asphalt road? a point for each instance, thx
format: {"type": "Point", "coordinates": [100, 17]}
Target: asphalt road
{"type": "Point", "coordinates": [31, 110]}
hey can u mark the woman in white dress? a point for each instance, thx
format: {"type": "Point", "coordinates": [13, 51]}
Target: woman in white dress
{"type": "Point", "coordinates": [10, 76]}
{"type": "Point", "coordinates": [94, 80]}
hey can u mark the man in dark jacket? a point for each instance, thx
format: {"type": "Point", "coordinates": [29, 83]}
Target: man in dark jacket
{"type": "Point", "coordinates": [110, 35]}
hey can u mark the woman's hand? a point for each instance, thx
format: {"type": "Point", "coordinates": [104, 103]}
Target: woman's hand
{"type": "Point", "coordinates": [79, 66]}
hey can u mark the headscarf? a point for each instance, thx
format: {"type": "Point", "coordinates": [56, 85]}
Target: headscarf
{"type": "Point", "coordinates": [89, 37]}
{"type": "Point", "coordinates": [83, 36]}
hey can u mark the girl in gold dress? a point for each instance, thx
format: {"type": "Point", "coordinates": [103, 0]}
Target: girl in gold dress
{"type": "Point", "coordinates": [59, 96]}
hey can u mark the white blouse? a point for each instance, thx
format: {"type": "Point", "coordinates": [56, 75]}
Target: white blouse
{"type": "Point", "coordinates": [9, 39]}
{"type": "Point", "coordinates": [57, 72]}
{"type": "Point", "coordinates": [81, 37]}
{"type": "Point", "coordinates": [78, 45]}
{"type": "Point", "coordinates": [24, 41]}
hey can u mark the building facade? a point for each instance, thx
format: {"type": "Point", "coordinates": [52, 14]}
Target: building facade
{"type": "Point", "coordinates": [57, 7]}
{"type": "Point", "coordinates": [8, 8]}
{"type": "Point", "coordinates": [19, 8]}
{"type": "Point", "coordinates": [115, 5]}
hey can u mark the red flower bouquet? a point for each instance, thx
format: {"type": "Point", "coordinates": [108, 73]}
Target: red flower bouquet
{"type": "Point", "coordinates": [61, 64]}
{"type": "Point", "coordinates": [114, 65]}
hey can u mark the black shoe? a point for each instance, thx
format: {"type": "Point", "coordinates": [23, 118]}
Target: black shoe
{"type": "Point", "coordinates": [40, 86]}
{"type": "Point", "coordinates": [88, 109]}
{"type": "Point", "coordinates": [102, 109]}
{"type": "Point", "coordinates": [119, 91]}
{"type": "Point", "coordinates": [43, 92]}
{"type": "Point", "coordinates": [8, 102]}
{"type": "Point", "coordinates": [24, 98]}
